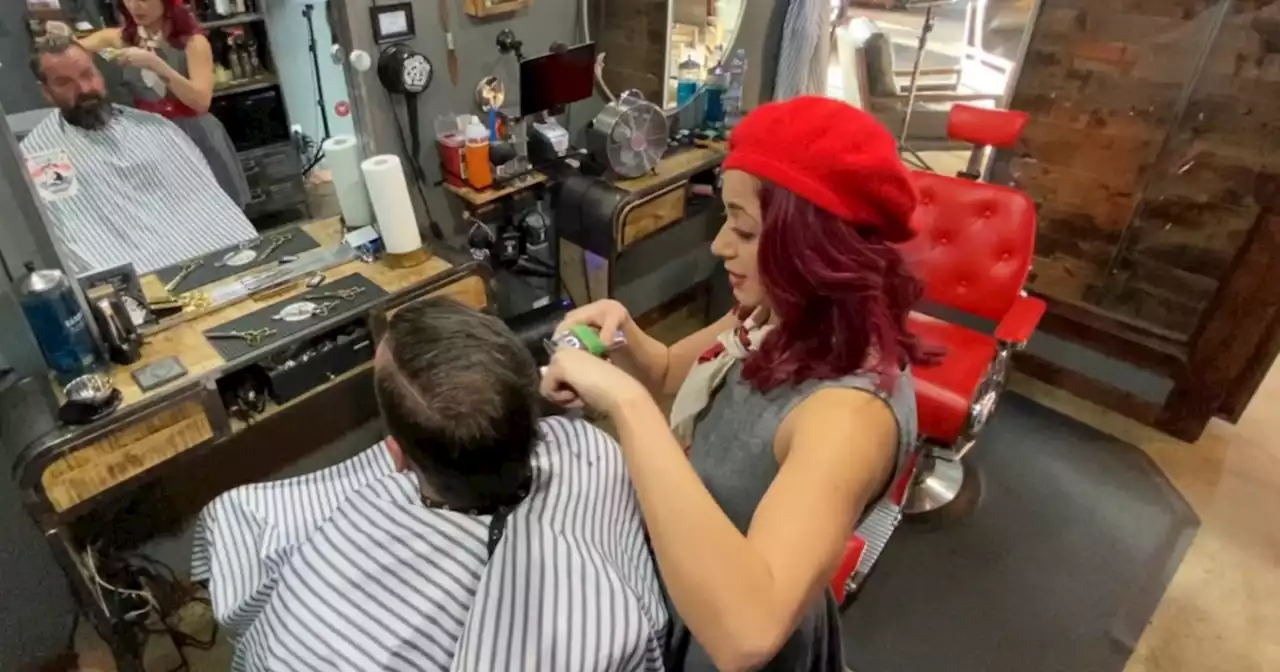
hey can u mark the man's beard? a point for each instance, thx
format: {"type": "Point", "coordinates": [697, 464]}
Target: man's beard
{"type": "Point", "coordinates": [91, 112]}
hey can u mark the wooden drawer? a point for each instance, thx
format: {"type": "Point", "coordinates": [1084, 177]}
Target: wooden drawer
{"type": "Point", "coordinates": [653, 214]}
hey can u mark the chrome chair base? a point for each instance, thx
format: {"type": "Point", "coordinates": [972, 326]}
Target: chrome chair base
{"type": "Point", "coordinates": [937, 489]}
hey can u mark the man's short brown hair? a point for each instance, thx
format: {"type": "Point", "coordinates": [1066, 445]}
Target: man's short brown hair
{"type": "Point", "coordinates": [55, 45]}
{"type": "Point", "coordinates": [459, 394]}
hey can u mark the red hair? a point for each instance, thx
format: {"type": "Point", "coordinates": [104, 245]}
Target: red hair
{"type": "Point", "coordinates": [841, 296]}
{"type": "Point", "coordinates": [180, 24]}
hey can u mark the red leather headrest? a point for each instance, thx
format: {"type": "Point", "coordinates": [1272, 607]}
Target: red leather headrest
{"type": "Point", "coordinates": [974, 242]}
{"type": "Point", "coordinates": [985, 126]}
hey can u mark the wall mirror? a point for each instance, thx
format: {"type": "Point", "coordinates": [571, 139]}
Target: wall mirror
{"type": "Point", "coordinates": [666, 49]}
{"type": "Point", "coordinates": [188, 203]}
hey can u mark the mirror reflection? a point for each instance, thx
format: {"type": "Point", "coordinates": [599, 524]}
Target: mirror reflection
{"type": "Point", "coordinates": [156, 135]}
{"type": "Point", "coordinates": [965, 51]}
{"type": "Point", "coordinates": [694, 52]}
{"type": "Point", "coordinates": [698, 42]}
{"type": "Point", "coordinates": [121, 185]}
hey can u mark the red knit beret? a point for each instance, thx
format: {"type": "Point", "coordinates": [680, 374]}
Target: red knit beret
{"type": "Point", "coordinates": [832, 154]}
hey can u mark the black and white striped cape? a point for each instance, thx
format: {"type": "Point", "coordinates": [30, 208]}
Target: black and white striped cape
{"type": "Point", "coordinates": [345, 569]}
{"type": "Point", "coordinates": [145, 194]}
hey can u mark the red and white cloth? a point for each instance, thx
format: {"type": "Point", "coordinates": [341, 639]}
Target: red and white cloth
{"type": "Point", "coordinates": [712, 367]}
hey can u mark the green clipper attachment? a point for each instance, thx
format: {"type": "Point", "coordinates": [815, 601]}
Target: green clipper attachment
{"type": "Point", "coordinates": [589, 339]}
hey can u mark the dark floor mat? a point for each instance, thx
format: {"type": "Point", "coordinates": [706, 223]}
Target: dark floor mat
{"type": "Point", "coordinates": [1059, 568]}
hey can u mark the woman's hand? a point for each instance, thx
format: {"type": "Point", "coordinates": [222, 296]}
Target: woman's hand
{"type": "Point", "coordinates": [574, 378]}
{"type": "Point", "coordinates": [145, 59]}
{"type": "Point", "coordinates": [607, 315]}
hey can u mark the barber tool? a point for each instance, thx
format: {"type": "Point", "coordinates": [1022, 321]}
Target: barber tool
{"type": "Point", "coordinates": [305, 310]}
{"type": "Point", "coordinates": [288, 258]}
{"type": "Point", "coordinates": [443, 6]}
{"type": "Point", "coordinates": [240, 256]}
{"type": "Point", "coordinates": [251, 337]}
{"type": "Point", "coordinates": [89, 398]}
{"type": "Point", "coordinates": [276, 242]}
{"type": "Point", "coordinates": [51, 308]}
{"type": "Point", "coordinates": [195, 300]}
{"type": "Point", "coordinates": [340, 294]}
{"type": "Point", "coordinates": [187, 269]}
{"type": "Point", "coordinates": [583, 337]}
{"type": "Point", "coordinates": [117, 329]}
{"type": "Point", "coordinates": [159, 373]}
{"type": "Point", "coordinates": [315, 280]}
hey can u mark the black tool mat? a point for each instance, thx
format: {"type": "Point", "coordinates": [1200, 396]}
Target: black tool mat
{"type": "Point", "coordinates": [1059, 569]}
{"type": "Point", "coordinates": [233, 348]}
{"type": "Point", "coordinates": [208, 273]}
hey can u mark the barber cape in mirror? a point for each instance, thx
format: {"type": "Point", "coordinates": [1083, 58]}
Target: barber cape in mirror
{"type": "Point", "coordinates": [127, 172]}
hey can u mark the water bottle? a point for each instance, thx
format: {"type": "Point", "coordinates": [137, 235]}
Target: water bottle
{"type": "Point", "coordinates": [737, 72]}
{"type": "Point", "coordinates": [717, 83]}
{"type": "Point", "coordinates": [687, 75]}
{"type": "Point", "coordinates": [60, 326]}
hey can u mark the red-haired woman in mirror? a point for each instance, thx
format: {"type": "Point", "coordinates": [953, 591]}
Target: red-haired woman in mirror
{"type": "Point", "coordinates": [791, 414]}
{"type": "Point", "coordinates": [168, 69]}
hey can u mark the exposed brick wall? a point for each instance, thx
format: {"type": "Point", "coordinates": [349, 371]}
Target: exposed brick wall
{"type": "Point", "coordinates": [633, 35]}
{"type": "Point", "coordinates": [1145, 174]}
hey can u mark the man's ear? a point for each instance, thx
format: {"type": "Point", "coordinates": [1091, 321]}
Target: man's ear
{"type": "Point", "coordinates": [397, 455]}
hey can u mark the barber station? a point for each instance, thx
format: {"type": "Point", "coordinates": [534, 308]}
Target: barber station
{"type": "Point", "coordinates": [622, 334]}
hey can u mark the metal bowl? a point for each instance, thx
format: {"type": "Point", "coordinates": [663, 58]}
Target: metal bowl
{"type": "Point", "coordinates": [94, 388]}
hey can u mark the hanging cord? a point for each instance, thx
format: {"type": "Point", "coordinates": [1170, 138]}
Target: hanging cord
{"type": "Point", "coordinates": [415, 167]}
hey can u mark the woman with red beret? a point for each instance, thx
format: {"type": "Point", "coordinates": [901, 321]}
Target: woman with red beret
{"type": "Point", "coordinates": [793, 413]}
{"type": "Point", "coordinates": [168, 69]}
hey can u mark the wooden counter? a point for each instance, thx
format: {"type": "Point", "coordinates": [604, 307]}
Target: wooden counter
{"type": "Point", "coordinates": [66, 471]}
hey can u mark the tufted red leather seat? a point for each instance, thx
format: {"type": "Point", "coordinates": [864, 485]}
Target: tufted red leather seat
{"type": "Point", "coordinates": [973, 252]}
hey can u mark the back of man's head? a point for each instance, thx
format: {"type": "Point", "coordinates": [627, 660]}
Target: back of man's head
{"type": "Point", "coordinates": [459, 394]}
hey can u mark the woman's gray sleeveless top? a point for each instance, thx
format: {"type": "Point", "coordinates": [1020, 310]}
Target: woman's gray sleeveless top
{"type": "Point", "coordinates": [733, 454]}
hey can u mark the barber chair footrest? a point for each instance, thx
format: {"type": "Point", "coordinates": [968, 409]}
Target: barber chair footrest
{"type": "Point", "coordinates": [874, 531]}
{"type": "Point", "coordinates": [936, 487]}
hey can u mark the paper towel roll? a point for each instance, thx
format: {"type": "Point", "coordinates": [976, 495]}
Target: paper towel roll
{"type": "Point", "coordinates": [384, 176]}
{"type": "Point", "coordinates": [342, 153]}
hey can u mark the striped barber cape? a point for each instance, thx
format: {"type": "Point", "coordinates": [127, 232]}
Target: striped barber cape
{"type": "Point", "coordinates": [137, 191]}
{"type": "Point", "coordinates": [345, 569]}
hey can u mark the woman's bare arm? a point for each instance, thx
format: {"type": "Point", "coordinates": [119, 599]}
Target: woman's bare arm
{"type": "Point", "coordinates": [107, 38]}
{"type": "Point", "coordinates": [742, 595]}
{"type": "Point", "coordinates": [195, 89]}
{"type": "Point", "coordinates": [662, 369]}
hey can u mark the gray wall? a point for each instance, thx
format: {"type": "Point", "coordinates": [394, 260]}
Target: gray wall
{"type": "Point", "coordinates": [35, 607]}
{"type": "Point", "coordinates": [18, 91]}
{"type": "Point", "coordinates": [544, 22]}
{"type": "Point", "coordinates": [376, 113]}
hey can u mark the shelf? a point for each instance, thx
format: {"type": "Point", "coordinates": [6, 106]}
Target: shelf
{"type": "Point", "coordinates": [246, 85]}
{"type": "Point", "coordinates": [485, 196]}
{"type": "Point", "coordinates": [237, 20]}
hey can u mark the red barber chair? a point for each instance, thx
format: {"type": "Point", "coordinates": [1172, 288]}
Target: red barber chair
{"type": "Point", "coordinates": [973, 252]}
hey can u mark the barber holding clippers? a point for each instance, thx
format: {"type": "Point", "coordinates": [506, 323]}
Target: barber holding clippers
{"type": "Point", "coordinates": [168, 68]}
{"type": "Point", "coordinates": [793, 412]}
